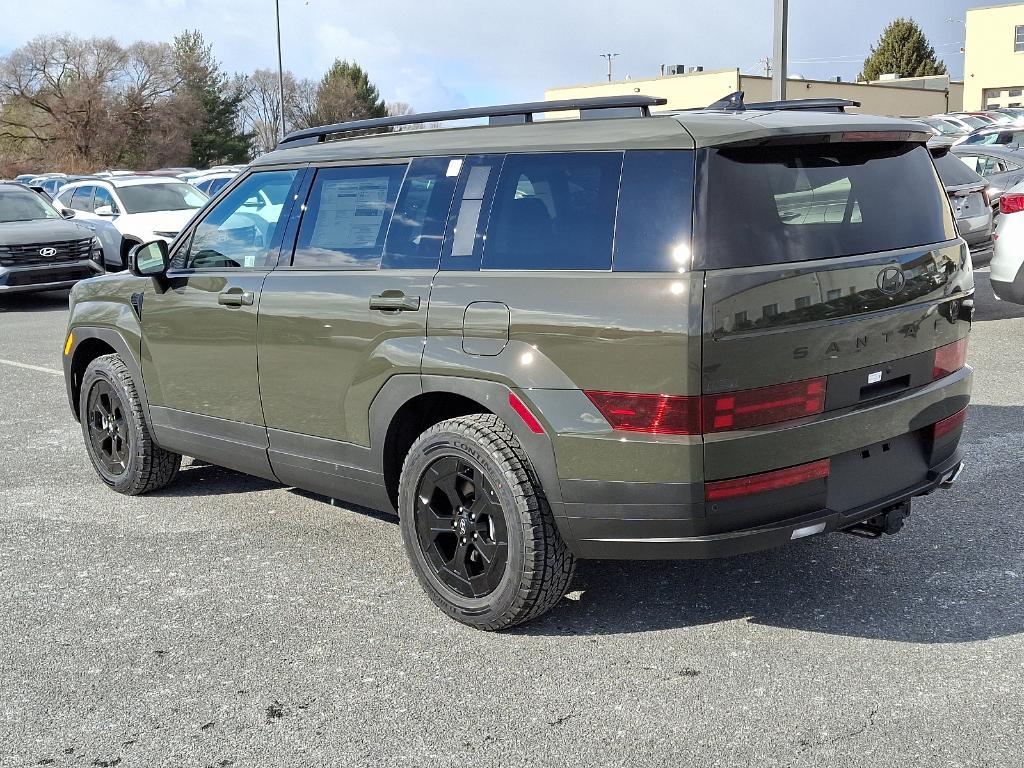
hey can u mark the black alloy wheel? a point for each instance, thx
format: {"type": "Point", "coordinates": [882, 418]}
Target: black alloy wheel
{"type": "Point", "coordinates": [108, 428]}
{"type": "Point", "coordinates": [460, 526]}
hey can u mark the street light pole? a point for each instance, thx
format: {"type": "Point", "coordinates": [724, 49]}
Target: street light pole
{"type": "Point", "coordinates": [609, 57]}
{"type": "Point", "coordinates": [780, 50]}
{"type": "Point", "coordinates": [280, 65]}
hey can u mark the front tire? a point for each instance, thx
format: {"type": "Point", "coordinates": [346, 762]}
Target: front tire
{"type": "Point", "coordinates": [116, 434]}
{"type": "Point", "coordinates": [477, 527]}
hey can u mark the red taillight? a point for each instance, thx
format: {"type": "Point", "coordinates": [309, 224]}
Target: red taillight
{"type": "Point", "coordinates": [949, 424]}
{"type": "Point", "coordinates": [524, 413]}
{"type": "Point", "coordinates": [1011, 202]}
{"type": "Point", "coordinates": [950, 359]}
{"type": "Point", "coordinates": [657, 414]}
{"type": "Point", "coordinates": [768, 481]}
{"type": "Point", "coordinates": [766, 405]}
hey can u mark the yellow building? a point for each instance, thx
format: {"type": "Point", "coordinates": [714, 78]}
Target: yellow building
{"type": "Point", "coordinates": [899, 98]}
{"type": "Point", "coordinates": [994, 57]}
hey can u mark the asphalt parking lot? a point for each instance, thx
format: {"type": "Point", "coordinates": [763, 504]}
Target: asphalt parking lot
{"type": "Point", "coordinates": [228, 621]}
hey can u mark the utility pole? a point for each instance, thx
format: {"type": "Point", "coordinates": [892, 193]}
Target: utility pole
{"type": "Point", "coordinates": [780, 49]}
{"type": "Point", "coordinates": [280, 65]}
{"type": "Point", "coordinates": [609, 57]}
{"type": "Point", "coordinates": [766, 65]}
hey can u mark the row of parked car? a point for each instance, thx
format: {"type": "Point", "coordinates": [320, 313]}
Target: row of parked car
{"type": "Point", "coordinates": [124, 208]}
{"type": "Point", "coordinates": [980, 158]}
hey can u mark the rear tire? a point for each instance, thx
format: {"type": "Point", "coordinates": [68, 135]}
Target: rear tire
{"type": "Point", "coordinates": [477, 527]}
{"type": "Point", "coordinates": [117, 436]}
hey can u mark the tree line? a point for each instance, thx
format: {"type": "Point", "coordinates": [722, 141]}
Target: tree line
{"type": "Point", "coordinates": [80, 105]}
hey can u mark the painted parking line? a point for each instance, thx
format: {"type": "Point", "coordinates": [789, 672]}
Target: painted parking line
{"type": "Point", "coordinates": [16, 364]}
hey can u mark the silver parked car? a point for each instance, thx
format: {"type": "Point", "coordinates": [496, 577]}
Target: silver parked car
{"type": "Point", "coordinates": [968, 195]}
{"type": "Point", "coordinates": [1000, 166]}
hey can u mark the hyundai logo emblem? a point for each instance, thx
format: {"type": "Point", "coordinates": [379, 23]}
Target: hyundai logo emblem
{"type": "Point", "coordinates": [47, 252]}
{"type": "Point", "coordinates": [891, 280]}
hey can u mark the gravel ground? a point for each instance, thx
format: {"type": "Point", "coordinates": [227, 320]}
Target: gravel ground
{"type": "Point", "coordinates": [230, 621]}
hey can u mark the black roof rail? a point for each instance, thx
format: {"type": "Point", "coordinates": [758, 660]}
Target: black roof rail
{"type": "Point", "coordinates": [502, 114]}
{"type": "Point", "coordinates": [734, 103]}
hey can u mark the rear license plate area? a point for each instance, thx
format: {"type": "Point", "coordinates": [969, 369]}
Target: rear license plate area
{"type": "Point", "coordinates": [875, 472]}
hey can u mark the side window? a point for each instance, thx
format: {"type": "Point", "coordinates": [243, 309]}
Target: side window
{"type": "Point", "coordinates": [417, 227]}
{"type": "Point", "coordinates": [554, 211]}
{"type": "Point", "coordinates": [655, 212]}
{"type": "Point", "coordinates": [347, 216]}
{"type": "Point", "coordinates": [103, 197]}
{"type": "Point", "coordinates": [237, 234]}
{"type": "Point", "coordinates": [216, 186]}
{"type": "Point", "coordinates": [473, 194]}
{"type": "Point", "coordinates": [64, 198]}
{"type": "Point", "coordinates": [82, 199]}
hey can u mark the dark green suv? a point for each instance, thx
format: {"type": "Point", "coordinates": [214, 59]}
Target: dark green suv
{"type": "Point", "coordinates": [626, 335]}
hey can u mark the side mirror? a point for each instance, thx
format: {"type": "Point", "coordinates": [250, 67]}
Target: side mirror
{"type": "Point", "coordinates": [67, 213]}
{"type": "Point", "coordinates": [148, 259]}
{"type": "Point", "coordinates": [104, 210]}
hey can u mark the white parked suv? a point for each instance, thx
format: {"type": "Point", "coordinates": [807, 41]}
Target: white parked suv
{"type": "Point", "coordinates": [142, 208]}
{"type": "Point", "coordinates": [1008, 255]}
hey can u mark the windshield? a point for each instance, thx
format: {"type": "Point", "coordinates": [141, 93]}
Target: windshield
{"type": "Point", "coordinates": [954, 172]}
{"type": "Point", "coordinates": [23, 205]}
{"type": "Point", "coordinates": [947, 129]}
{"type": "Point", "coordinates": [149, 198]}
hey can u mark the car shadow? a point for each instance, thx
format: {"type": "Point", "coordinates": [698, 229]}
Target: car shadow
{"type": "Point", "coordinates": [955, 574]}
{"type": "Point", "coordinates": [45, 301]}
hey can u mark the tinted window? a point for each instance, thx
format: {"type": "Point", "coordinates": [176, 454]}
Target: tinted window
{"type": "Point", "coordinates": [82, 199]}
{"type": "Point", "coordinates": [149, 198]}
{"type": "Point", "coordinates": [477, 181]}
{"type": "Point", "coordinates": [655, 212]}
{"type": "Point", "coordinates": [554, 211]}
{"type": "Point", "coordinates": [774, 205]}
{"type": "Point", "coordinates": [216, 186]}
{"type": "Point", "coordinates": [417, 226]}
{"type": "Point", "coordinates": [347, 216]}
{"type": "Point", "coordinates": [954, 172]}
{"type": "Point", "coordinates": [242, 230]}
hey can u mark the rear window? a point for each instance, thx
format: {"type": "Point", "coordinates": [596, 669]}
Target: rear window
{"type": "Point", "coordinates": [774, 205]}
{"type": "Point", "coordinates": [955, 172]}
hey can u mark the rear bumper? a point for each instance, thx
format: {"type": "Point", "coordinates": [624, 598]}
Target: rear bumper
{"type": "Point", "coordinates": [1010, 290]}
{"type": "Point", "coordinates": [624, 540]}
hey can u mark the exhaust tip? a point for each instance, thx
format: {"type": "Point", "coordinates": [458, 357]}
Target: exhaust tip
{"type": "Point", "coordinates": [948, 480]}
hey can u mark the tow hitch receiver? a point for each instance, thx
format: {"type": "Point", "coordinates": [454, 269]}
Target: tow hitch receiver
{"type": "Point", "coordinates": [890, 521]}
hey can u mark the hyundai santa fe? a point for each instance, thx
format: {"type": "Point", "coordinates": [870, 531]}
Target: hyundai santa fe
{"type": "Point", "coordinates": [629, 335]}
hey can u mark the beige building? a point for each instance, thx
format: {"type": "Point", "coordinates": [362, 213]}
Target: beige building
{"type": "Point", "coordinates": [901, 98]}
{"type": "Point", "coordinates": [994, 57]}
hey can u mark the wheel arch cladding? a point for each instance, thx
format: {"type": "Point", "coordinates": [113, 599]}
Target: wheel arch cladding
{"type": "Point", "coordinates": [90, 343]}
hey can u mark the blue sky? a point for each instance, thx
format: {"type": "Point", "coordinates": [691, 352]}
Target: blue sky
{"type": "Point", "coordinates": [451, 53]}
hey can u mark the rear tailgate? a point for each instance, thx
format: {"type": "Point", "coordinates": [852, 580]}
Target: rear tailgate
{"type": "Point", "coordinates": [833, 265]}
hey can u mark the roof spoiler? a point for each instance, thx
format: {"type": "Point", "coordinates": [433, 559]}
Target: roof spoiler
{"type": "Point", "coordinates": [734, 103]}
{"type": "Point", "coordinates": [502, 114]}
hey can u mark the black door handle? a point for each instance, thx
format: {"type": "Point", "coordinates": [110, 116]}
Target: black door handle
{"type": "Point", "coordinates": [235, 297]}
{"type": "Point", "coordinates": [397, 302]}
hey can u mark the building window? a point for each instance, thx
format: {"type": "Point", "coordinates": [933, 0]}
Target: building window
{"type": "Point", "coordinates": [1013, 104]}
{"type": "Point", "coordinates": [802, 302]}
{"type": "Point", "coordinates": [1014, 92]}
{"type": "Point", "coordinates": [833, 294]}
{"type": "Point", "coordinates": [1018, 40]}
{"type": "Point", "coordinates": [993, 105]}
{"type": "Point", "coordinates": [769, 310]}
{"type": "Point", "coordinates": [740, 319]}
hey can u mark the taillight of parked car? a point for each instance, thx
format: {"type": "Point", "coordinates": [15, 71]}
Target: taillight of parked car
{"type": "Point", "coordinates": [949, 359]}
{"type": "Point", "coordinates": [721, 412]}
{"type": "Point", "coordinates": [1011, 202]}
{"type": "Point", "coordinates": [720, 490]}
{"type": "Point", "coordinates": [950, 424]}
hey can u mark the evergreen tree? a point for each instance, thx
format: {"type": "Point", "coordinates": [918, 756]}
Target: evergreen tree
{"type": "Point", "coordinates": [216, 138]}
{"type": "Point", "coordinates": [902, 49]}
{"type": "Point", "coordinates": [346, 93]}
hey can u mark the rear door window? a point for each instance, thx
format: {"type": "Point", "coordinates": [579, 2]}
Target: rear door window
{"type": "Point", "coordinates": [81, 199]}
{"type": "Point", "coordinates": [554, 211]}
{"type": "Point", "coordinates": [417, 226]}
{"type": "Point", "coordinates": [347, 215]}
{"type": "Point", "coordinates": [774, 205]}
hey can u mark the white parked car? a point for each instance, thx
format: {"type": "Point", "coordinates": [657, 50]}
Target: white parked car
{"type": "Point", "coordinates": [1008, 254]}
{"type": "Point", "coordinates": [143, 208]}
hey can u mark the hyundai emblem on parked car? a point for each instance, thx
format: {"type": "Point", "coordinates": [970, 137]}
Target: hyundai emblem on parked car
{"type": "Point", "coordinates": [47, 251]}
{"type": "Point", "coordinates": [891, 280]}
